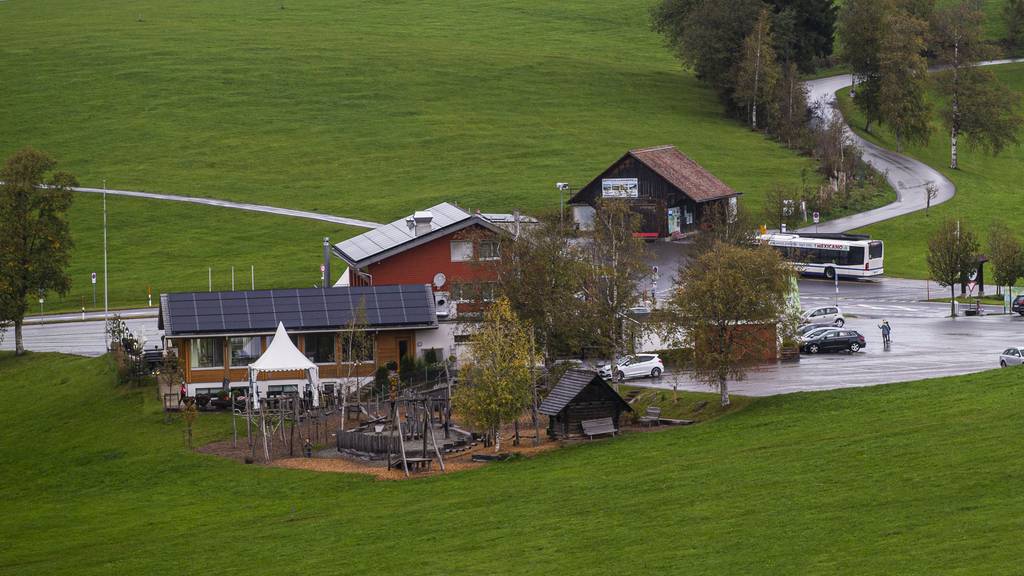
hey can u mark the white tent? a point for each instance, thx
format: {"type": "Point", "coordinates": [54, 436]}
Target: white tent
{"type": "Point", "coordinates": [283, 356]}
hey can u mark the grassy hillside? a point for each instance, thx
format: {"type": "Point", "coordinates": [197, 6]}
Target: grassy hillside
{"type": "Point", "coordinates": [356, 108]}
{"type": "Point", "coordinates": [170, 246]}
{"type": "Point", "coordinates": [988, 188]}
{"type": "Point", "coordinates": [906, 479]}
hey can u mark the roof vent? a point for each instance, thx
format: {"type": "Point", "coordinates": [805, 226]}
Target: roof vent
{"type": "Point", "coordinates": [421, 222]}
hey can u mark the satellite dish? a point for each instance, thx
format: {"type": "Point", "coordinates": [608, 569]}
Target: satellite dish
{"type": "Point", "coordinates": [439, 279]}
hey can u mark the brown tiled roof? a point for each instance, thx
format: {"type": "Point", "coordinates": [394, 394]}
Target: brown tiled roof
{"type": "Point", "coordinates": [683, 173]}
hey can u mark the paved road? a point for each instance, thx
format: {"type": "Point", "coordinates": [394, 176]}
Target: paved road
{"type": "Point", "coordinates": [921, 348]}
{"type": "Point", "coordinates": [907, 176]}
{"type": "Point", "coordinates": [237, 206]}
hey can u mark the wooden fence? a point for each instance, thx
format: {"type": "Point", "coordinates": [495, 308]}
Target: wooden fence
{"type": "Point", "coordinates": [367, 443]}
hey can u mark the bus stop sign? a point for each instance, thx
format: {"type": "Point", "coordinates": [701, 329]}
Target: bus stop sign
{"type": "Point", "coordinates": [816, 217]}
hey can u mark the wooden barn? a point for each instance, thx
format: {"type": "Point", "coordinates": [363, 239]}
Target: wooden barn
{"type": "Point", "coordinates": [667, 189]}
{"type": "Point", "coordinates": [580, 395]}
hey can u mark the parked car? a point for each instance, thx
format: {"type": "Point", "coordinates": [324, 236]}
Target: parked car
{"type": "Point", "coordinates": [1012, 357]}
{"type": "Point", "coordinates": [834, 340]}
{"type": "Point", "coordinates": [830, 315]}
{"type": "Point", "coordinates": [814, 330]}
{"type": "Point", "coordinates": [636, 366]}
{"type": "Point", "coordinates": [1018, 305]}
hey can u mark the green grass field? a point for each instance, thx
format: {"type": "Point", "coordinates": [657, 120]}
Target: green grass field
{"type": "Point", "coordinates": [918, 478]}
{"type": "Point", "coordinates": [357, 109]}
{"type": "Point", "coordinates": [988, 189]}
{"type": "Point", "coordinates": [361, 109]}
{"type": "Point", "coordinates": [170, 246]}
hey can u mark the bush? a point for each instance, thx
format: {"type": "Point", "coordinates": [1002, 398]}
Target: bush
{"type": "Point", "coordinates": [430, 356]}
{"type": "Point", "coordinates": [381, 380]}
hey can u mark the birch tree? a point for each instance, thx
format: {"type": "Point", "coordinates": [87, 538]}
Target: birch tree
{"type": "Point", "coordinates": [498, 378]}
{"type": "Point", "coordinates": [35, 241]}
{"type": "Point", "coordinates": [616, 263]}
{"type": "Point", "coordinates": [1005, 253]}
{"type": "Point", "coordinates": [758, 72]}
{"type": "Point", "coordinates": [977, 105]}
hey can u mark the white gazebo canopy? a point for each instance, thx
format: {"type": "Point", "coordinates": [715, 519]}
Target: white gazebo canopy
{"type": "Point", "coordinates": [283, 356]}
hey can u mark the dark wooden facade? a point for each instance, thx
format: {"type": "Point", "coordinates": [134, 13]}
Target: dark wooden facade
{"type": "Point", "coordinates": [580, 395]}
{"type": "Point", "coordinates": [666, 181]}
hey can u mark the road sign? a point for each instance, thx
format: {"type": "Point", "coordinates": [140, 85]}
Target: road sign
{"type": "Point", "coordinates": [93, 277]}
{"type": "Point", "coordinates": [323, 268]}
{"type": "Point", "coordinates": [654, 269]}
{"type": "Point", "coordinates": [816, 217]}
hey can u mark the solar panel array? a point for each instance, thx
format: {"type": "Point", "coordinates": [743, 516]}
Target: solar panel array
{"type": "Point", "coordinates": [396, 233]}
{"type": "Point", "coordinates": [297, 308]}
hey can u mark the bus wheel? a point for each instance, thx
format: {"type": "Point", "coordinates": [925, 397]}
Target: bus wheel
{"type": "Point", "coordinates": [830, 273]}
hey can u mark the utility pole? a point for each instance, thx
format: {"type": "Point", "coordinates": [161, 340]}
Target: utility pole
{"type": "Point", "coordinates": [106, 301]}
{"type": "Point", "coordinates": [252, 275]}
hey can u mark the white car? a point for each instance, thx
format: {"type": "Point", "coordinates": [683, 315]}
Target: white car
{"type": "Point", "coordinates": [826, 315]}
{"type": "Point", "coordinates": [1012, 357]}
{"type": "Point", "coordinates": [636, 366]}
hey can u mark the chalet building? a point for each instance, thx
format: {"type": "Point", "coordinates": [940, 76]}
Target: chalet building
{"type": "Point", "coordinates": [218, 334]}
{"type": "Point", "coordinates": [669, 191]}
{"type": "Point", "coordinates": [445, 247]}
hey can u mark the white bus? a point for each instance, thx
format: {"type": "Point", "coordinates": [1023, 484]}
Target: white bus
{"type": "Point", "coordinates": [828, 255]}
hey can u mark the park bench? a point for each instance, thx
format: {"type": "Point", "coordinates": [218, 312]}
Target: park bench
{"type": "Point", "coordinates": [597, 427]}
{"type": "Point", "coordinates": [651, 416]}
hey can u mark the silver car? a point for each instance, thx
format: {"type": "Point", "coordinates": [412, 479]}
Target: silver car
{"type": "Point", "coordinates": [1012, 357]}
{"type": "Point", "coordinates": [826, 315]}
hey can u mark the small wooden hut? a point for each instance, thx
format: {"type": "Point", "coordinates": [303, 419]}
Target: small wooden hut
{"type": "Point", "coordinates": [580, 395]}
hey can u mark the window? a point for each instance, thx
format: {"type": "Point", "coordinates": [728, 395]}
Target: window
{"type": "Point", "coordinates": [361, 347]}
{"type": "Point", "coordinates": [244, 350]}
{"type": "Point", "coordinates": [207, 353]}
{"type": "Point", "coordinates": [462, 250]}
{"type": "Point", "coordinates": [488, 291]}
{"type": "Point", "coordinates": [875, 249]}
{"type": "Point", "coordinates": [320, 348]}
{"type": "Point", "coordinates": [489, 250]}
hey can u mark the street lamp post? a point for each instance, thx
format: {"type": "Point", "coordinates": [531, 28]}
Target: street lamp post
{"type": "Point", "coordinates": [562, 187]}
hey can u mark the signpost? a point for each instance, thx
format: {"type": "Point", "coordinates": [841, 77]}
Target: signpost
{"type": "Point", "coordinates": [323, 279]}
{"type": "Point", "coordinates": [93, 289]}
{"type": "Point", "coordinates": [817, 218]}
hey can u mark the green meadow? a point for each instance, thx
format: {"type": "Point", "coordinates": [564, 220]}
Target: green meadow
{"type": "Point", "coordinates": [919, 478]}
{"type": "Point", "coordinates": [987, 187]}
{"type": "Point", "coordinates": [368, 110]}
{"type": "Point", "coordinates": [173, 247]}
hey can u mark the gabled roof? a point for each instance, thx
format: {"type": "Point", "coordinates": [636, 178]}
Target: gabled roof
{"type": "Point", "coordinates": [390, 239]}
{"type": "Point", "coordinates": [678, 170]}
{"type": "Point", "coordinates": [569, 387]}
{"type": "Point", "coordinates": [298, 309]}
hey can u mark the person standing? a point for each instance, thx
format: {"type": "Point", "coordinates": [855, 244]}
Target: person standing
{"type": "Point", "coordinates": [886, 332]}
{"type": "Point", "coordinates": [182, 393]}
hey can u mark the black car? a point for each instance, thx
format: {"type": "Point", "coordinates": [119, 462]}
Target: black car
{"type": "Point", "coordinates": [834, 341]}
{"type": "Point", "coordinates": [1018, 305]}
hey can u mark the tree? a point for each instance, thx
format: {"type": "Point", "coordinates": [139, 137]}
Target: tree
{"type": "Point", "coordinates": [35, 243]}
{"type": "Point", "coordinates": [758, 72]}
{"type": "Point", "coordinates": [812, 24]}
{"type": "Point", "coordinates": [1004, 252]}
{"type": "Point", "coordinates": [781, 206]}
{"type": "Point", "coordinates": [616, 263]}
{"type": "Point", "coordinates": [541, 274]}
{"type": "Point", "coordinates": [860, 31]}
{"type": "Point", "coordinates": [1013, 15]}
{"type": "Point", "coordinates": [903, 78]}
{"type": "Point", "coordinates": [952, 255]}
{"type": "Point", "coordinates": [720, 223]}
{"type": "Point", "coordinates": [977, 105]}
{"type": "Point", "coordinates": [725, 292]}
{"type": "Point", "coordinates": [497, 380]}
{"type": "Point", "coordinates": [707, 35]}
{"type": "Point", "coordinates": [790, 122]}
{"type": "Point", "coordinates": [356, 347]}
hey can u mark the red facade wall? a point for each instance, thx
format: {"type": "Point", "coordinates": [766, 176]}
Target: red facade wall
{"type": "Point", "coordinates": [419, 265]}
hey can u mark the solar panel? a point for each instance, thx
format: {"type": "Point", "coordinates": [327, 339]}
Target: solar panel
{"type": "Point", "coordinates": [303, 308]}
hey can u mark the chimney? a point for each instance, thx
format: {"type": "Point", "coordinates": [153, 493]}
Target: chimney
{"type": "Point", "coordinates": [421, 220]}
